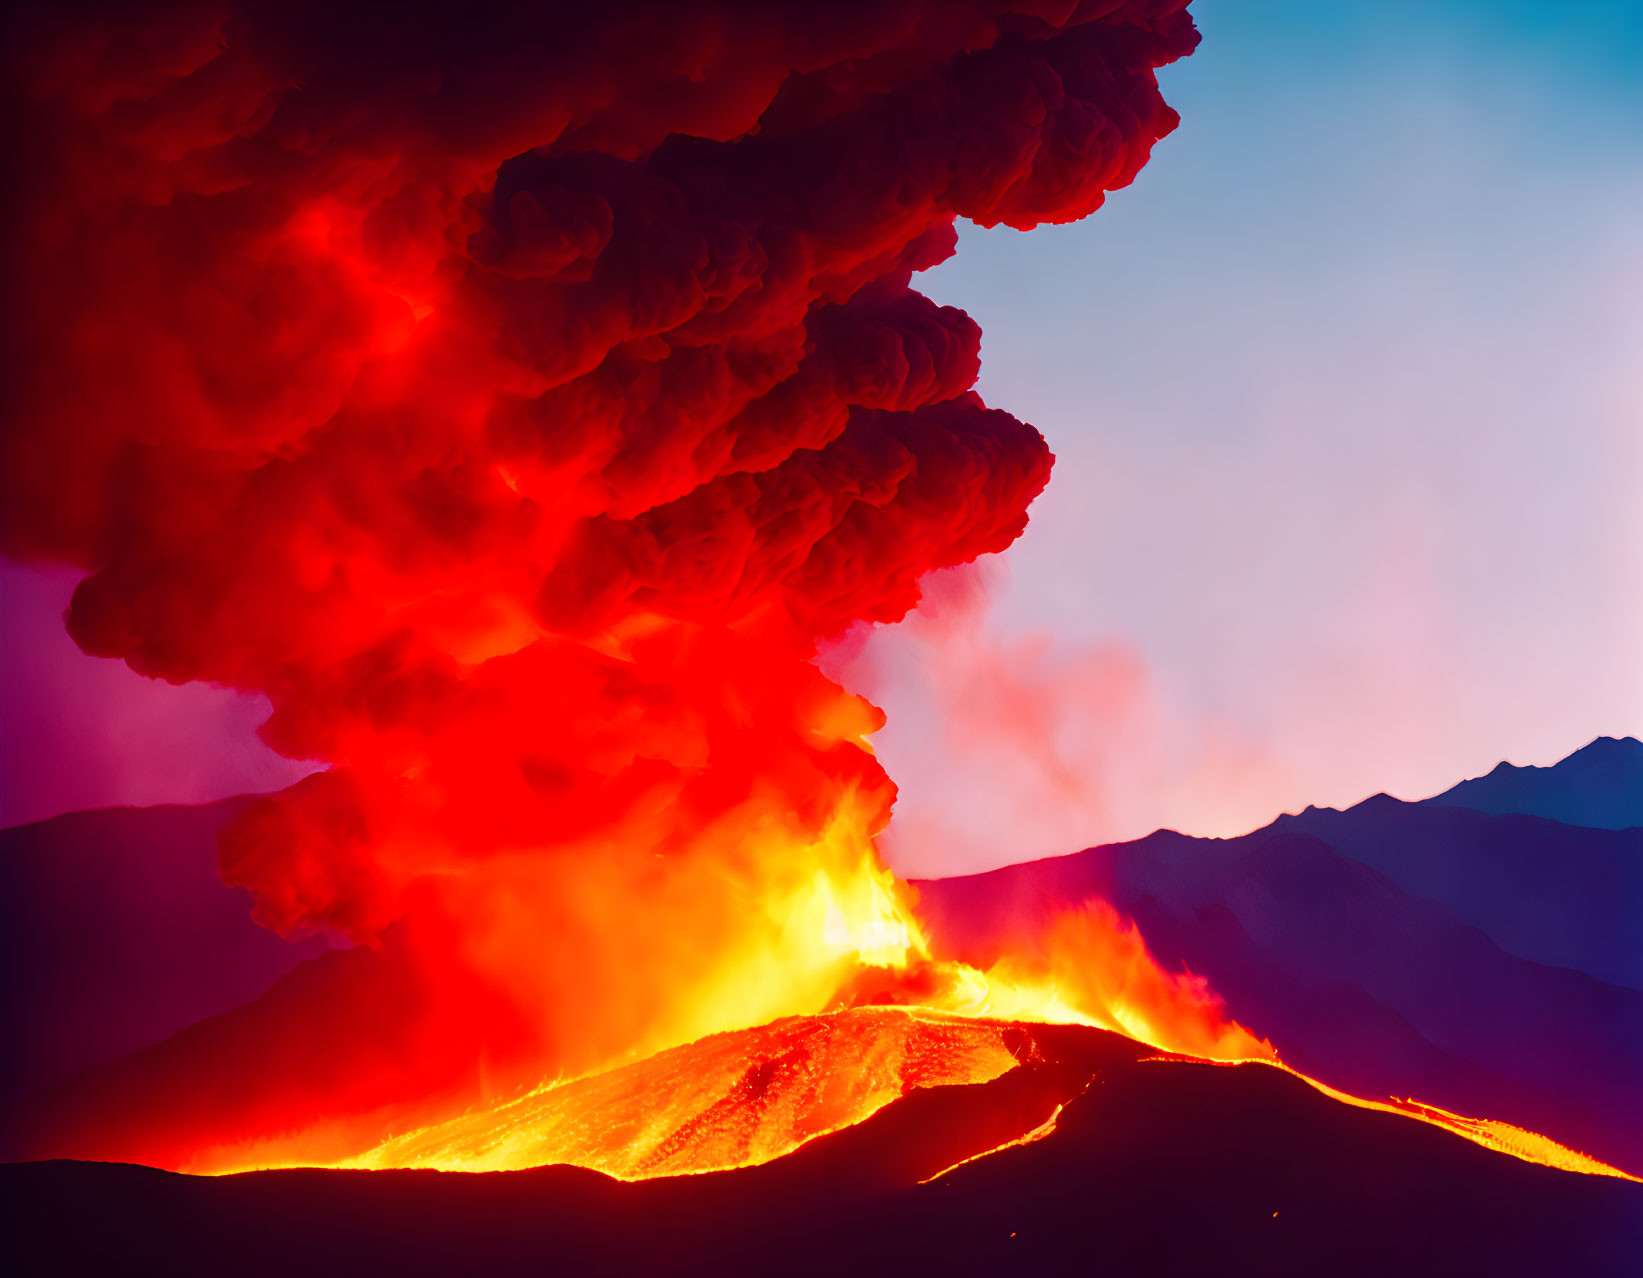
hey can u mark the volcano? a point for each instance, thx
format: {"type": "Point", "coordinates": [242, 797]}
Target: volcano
{"type": "Point", "coordinates": [952, 1141]}
{"type": "Point", "coordinates": [520, 403]}
{"type": "Point", "coordinates": [1085, 1150]}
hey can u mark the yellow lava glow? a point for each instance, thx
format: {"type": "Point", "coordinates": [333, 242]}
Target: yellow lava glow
{"type": "Point", "coordinates": [1026, 1138]}
{"type": "Point", "coordinates": [731, 1100]}
{"type": "Point", "coordinates": [822, 1006]}
{"type": "Point", "coordinates": [1503, 1138]}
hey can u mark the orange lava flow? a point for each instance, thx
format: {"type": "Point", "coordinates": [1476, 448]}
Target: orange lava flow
{"type": "Point", "coordinates": [1503, 1138]}
{"type": "Point", "coordinates": [1026, 1138]}
{"type": "Point", "coordinates": [753, 1092]}
{"type": "Point", "coordinates": [731, 1100]}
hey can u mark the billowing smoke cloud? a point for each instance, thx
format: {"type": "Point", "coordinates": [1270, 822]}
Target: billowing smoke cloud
{"type": "Point", "coordinates": [517, 400]}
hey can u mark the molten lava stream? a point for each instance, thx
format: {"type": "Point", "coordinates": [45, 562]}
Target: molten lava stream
{"type": "Point", "coordinates": [1503, 1138]}
{"type": "Point", "coordinates": [745, 1096]}
{"type": "Point", "coordinates": [731, 1100]}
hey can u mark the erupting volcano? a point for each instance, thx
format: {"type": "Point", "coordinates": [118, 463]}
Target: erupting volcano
{"type": "Point", "coordinates": [520, 402]}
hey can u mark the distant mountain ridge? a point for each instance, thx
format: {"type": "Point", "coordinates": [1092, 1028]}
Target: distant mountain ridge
{"type": "Point", "coordinates": [1490, 963]}
{"type": "Point", "coordinates": [1561, 895]}
{"type": "Point", "coordinates": [1356, 980]}
{"type": "Point", "coordinates": [1600, 785]}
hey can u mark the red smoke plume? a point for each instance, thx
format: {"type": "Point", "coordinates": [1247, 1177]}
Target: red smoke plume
{"type": "Point", "coordinates": [517, 399]}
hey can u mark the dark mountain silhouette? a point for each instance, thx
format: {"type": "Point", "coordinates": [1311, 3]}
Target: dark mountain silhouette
{"type": "Point", "coordinates": [115, 932]}
{"type": "Point", "coordinates": [336, 1037]}
{"type": "Point", "coordinates": [1359, 980]}
{"type": "Point", "coordinates": [1160, 1167]}
{"type": "Point", "coordinates": [1560, 895]}
{"type": "Point", "coordinates": [1599, 785]}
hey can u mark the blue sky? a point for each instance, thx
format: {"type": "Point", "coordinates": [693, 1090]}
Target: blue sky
{"type": "Point", "coordinates": [1347, 398]}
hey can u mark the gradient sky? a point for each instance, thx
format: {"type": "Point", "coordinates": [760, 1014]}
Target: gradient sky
{"type": "Point", "coordinates": [1348, 406]}
{"type": "Point", "coordinates": [1349, 494]}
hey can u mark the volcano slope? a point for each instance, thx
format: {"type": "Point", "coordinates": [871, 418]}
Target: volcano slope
{"type": "Point", "coordinates": [1103, 1159]}
{"type": "Point", "coordinates": [1484, 963]}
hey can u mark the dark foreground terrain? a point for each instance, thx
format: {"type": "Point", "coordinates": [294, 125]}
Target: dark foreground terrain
{"type": "Point", "coordinates": [1152, 1167]}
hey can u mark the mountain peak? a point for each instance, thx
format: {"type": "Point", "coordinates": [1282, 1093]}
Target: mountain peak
{"type": "Point", "coordinates": [1599, 785]}
{"type": "Point", "coordinates": [1609, 748]}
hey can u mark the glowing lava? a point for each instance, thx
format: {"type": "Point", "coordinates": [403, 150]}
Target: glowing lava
{"type": "Point", "coordinates": [744, 1097]}
{"type": "Point", "coordinates": [1503, 1138]}
{"type": "Point", "coordinates": [731, 1100]}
